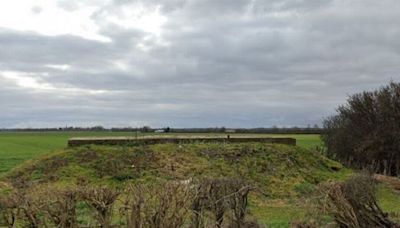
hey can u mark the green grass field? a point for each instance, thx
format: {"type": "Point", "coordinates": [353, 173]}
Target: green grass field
{"type": "Point", "coordinates": [17, 147]}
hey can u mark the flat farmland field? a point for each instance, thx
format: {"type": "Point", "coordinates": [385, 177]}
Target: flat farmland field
{"type": "Point", "coordinates": [17, 147]}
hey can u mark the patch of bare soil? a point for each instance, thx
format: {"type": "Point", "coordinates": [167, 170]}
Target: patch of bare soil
{"type": "Point", "coordinates": [4, 185]}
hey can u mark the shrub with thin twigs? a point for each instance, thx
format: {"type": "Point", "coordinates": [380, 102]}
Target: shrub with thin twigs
{"type": "Point", "coordinates": [173, 204]}
{"type": "Point", "coordinates": [219, 196]}
{"type": "Point", "coordinates": [101, 200]}
{"type": "Point", "coordinates": [353, 203]}
{"type": "Point", "coordinates": [9, 209]}
{"type": "Point", "coordinates": [157, 206]}
{"type": "Point", "coordinates": [59, 205]}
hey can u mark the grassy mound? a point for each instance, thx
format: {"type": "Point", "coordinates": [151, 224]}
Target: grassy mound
{"type": "Point", "coordinates": [284, 176]}
{"type": "Point", "coordinates": [277, 170]}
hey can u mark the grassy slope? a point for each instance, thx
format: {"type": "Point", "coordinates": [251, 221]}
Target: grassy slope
{"type": "Point", "coordinates": [16, 148]}
{"type": "Point", "coordinates": [285, 173]}
{"type": "Point", "coordinates": [277, 167]}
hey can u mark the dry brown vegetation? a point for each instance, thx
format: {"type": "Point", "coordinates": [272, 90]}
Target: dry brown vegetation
{"type": "Point", "coordinates": [353, 203]}
{"type": "Point", "coordinates": [156, 206]}
{"type": "Point", "coordinates": [101, 200]}
{"type": "Point", "coordinates": [204, 203]}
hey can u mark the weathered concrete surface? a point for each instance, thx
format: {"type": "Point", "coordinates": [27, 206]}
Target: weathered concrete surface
{"type": "Point", "coordinates": [176, 140]}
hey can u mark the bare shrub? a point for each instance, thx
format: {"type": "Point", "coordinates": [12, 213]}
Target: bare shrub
{"type": "Point", "coordinates": [207, 203]}
{"type": "Point", "coordinates": [22, 209]}
{"type": "Point", "coordinates": [9, 209]}
{"type": "Point", "coordinates": [59, 205]}
{"type": "Point", "coordinates": [219, 196]}
{"type": "Point", "coordinates": [353, 203]}
{"type": "Point", "coordinates": [101, 200]}
{"type": "Point", "coordinates": [157, 206]}
{"type": "Point", "coordinates": [31, 213]}
{"type": "Point", "coordinates": [39, 206]}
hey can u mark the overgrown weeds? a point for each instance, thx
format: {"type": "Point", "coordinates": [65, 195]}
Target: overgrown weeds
{"type": "Point", "coordinates": [173, 204]}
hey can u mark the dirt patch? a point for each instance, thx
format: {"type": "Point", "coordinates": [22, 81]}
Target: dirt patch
{"type": "Point", "coordinates": [4, 185]}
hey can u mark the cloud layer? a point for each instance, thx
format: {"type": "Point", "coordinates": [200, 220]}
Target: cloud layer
{"type": "Point", "coordinates": [191, 63]}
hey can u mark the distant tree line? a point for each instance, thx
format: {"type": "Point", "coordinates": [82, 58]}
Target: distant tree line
{"type": "Point", "coordinates": [94, 128]}
{"type": "Point", "coordinates": [366, 131]}
{"type": "Point", "coordinates": [273, 130]}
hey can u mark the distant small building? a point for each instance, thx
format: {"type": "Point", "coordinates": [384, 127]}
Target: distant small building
{"type": "Point", "coordinates": [159, 131]}
{"type": "Point", "coordinates": [230, 131]}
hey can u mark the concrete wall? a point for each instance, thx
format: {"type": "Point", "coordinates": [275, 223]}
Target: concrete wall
{"type": "Point", "coordinates": [148, 141]}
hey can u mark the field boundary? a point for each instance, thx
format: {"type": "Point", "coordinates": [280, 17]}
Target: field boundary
{"type": "Point", "coordinates": [73, 142]}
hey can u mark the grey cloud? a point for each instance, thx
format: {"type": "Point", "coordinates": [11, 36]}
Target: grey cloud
{"type": "Point", "coordinates": [22, 48]}
{"type": "Point", "coordinates": [36, 9]}
{"type": "Point", "coordinates": [233, 63]}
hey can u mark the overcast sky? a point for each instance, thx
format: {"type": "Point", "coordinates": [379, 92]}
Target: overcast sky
{"type": "Point", "coordinates": [191, 63]}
